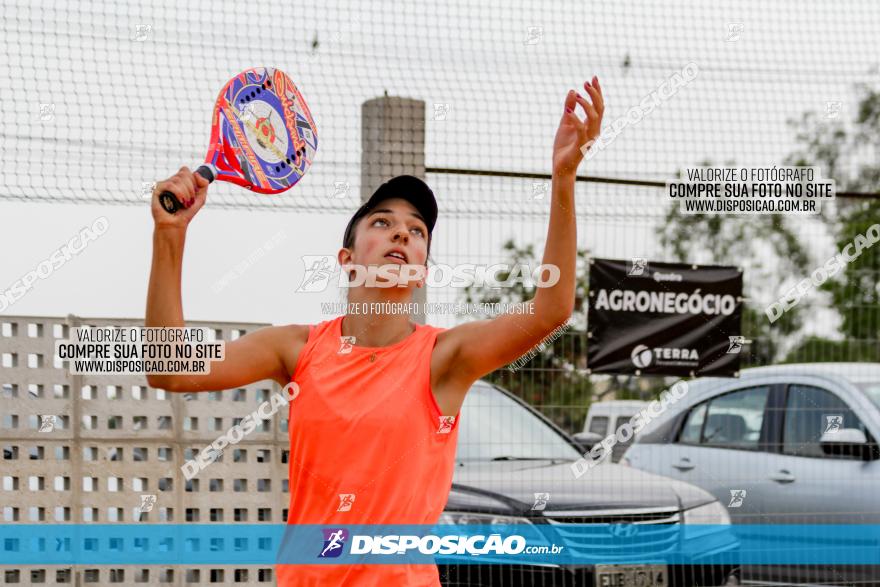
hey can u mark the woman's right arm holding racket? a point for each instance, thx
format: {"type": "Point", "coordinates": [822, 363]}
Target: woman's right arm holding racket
{"type": "Point", "coordinates": [266, 353]}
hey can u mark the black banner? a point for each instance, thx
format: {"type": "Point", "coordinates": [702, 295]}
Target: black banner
{"type": "Point", "coordinates": [648, 318]}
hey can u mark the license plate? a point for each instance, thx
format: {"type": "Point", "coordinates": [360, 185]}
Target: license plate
{"type": "Point", "coordinates": [630, 576]}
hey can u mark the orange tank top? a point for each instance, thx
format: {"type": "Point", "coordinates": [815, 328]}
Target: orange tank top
{"type": "Point", "coordinates": [368, 445]}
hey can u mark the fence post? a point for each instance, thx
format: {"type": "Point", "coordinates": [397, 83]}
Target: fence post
{"type": "Point", "coordinates": [393, 143]}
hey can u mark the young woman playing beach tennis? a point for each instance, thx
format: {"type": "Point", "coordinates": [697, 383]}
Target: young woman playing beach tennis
{"type": "Point", "coordinates": [374, 426]}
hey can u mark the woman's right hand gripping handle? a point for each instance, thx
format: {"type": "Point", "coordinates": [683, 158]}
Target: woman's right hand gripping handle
{"type": "Point", "coordinates": [190, 189]}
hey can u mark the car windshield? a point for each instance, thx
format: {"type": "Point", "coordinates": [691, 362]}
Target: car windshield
{"type": "Point", "coordinates": [871, 389]}
{"type": "Point", "coordinates": [496, 427]}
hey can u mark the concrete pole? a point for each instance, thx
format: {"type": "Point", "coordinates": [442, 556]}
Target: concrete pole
{"type": "Point", "coordinates": [393, 143]}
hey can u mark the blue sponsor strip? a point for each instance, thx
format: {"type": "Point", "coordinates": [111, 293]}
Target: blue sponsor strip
{"type": "Point", "coordinates": [560, 544]}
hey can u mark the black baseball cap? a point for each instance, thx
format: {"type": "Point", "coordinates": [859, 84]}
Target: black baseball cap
{"type": "Point", "coordinates": [408, 187]}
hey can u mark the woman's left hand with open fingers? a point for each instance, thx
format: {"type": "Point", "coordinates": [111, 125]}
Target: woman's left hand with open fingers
{"type": "Point", "coordinates": [575, 136]}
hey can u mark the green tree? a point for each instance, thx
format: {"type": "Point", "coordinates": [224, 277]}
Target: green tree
{"type": "Point", "coordinates": [765, 242]}
{"type": "Point", "coordinates": [829, 144]}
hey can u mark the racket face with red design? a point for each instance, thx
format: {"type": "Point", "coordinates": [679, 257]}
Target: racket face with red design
{"type": "Point", "coordinates": [263, 136]}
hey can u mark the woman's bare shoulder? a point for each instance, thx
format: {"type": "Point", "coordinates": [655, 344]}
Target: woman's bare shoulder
{"type": "Point", "coordinates": [290, 340]}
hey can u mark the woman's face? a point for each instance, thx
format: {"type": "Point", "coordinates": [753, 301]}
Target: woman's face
{"type": "Point", "coordinates": [392, 233]}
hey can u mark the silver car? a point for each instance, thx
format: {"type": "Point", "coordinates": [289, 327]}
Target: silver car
{"type": "Point", "coordinates": [787, 444]}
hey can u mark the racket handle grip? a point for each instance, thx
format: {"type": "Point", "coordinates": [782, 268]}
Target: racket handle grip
{"type": "Point", "coordinates": [171, 204]}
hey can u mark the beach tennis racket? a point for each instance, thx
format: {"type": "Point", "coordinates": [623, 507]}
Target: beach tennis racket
{"type": "Point", "coordinates": [263, 136]}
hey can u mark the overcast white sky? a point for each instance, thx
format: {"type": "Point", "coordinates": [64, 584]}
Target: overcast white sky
{"type": "Point", "coordinates": [128, 111]}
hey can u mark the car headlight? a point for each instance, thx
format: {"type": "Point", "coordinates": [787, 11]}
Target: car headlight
{"type": "Point", "coordinates": [710, 513]}
{"type": "Point", "coordinates": [499, 522]}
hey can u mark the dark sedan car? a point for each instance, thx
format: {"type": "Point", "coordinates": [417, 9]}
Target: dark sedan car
{"type": "Point", "coordinates": [514, 467]}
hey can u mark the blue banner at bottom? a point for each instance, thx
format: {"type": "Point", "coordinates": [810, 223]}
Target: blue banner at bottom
{"type": "Point", "coordinates": [556, 544]}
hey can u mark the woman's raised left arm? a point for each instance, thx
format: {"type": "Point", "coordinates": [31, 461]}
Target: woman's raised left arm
{"type": "Point", "coordinates": [478, 348]}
